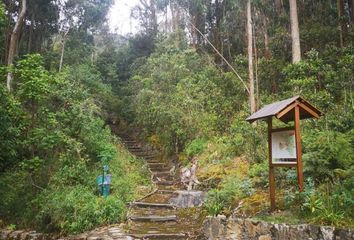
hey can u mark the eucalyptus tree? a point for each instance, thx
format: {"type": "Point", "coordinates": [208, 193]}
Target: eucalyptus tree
{"type": "Point", "coordinates": [79, 22]}
{"type": "Point", "coordinates": [16, 31]}
{"type": "Point", "coordinates": [3, 30]}
{"type": "Point", "coordinates": [250, 57]}
{"type": "Point", "coordinates": [295, 33]}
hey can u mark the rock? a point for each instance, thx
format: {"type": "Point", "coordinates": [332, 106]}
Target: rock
{"type": "Point", "coordinates": [342, 234]}
{"type": "Point", "coordinates": [327, 233]}
{"type": "Point", "coordinates": [234, 229]}
{"type": "Point", "coordinates": [79, 237]}
{"type": "Point", "coordinates": [106, 237]}
{"type": "Point", "coordinates": [186, 199]}
{"type": "Point", "coordinates": [263, 228]}
{"type": "Point", "coordinates": [35, 236]}
{"type": "Point", "coordinates": [94, 238]}
{"type": "Point", "coordinates": [4, 234]}
{"type": "Point", "coordinates": [250, 228]}
{"type": "Point", "coordinates": [215, 228]}
{"type": "Point", "coordinates": [15, 235]}
{"type": "Point", "coordinates": [281, 231]}
{"type": "Point", "coordinates": [313, 231]}
{"type": "Point", "coordinates": [265, 237]}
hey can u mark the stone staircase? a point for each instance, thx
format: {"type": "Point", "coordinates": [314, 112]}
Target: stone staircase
{"type": "Point", "coordinates": [153, 217]}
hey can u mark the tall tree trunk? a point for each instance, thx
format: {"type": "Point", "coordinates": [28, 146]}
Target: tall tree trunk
{"type": "Point", "coordinates": [217, 29]}
{"type": "Point", "coordinates": [193, 33]}
{"type": "Point", "coordinates": [14, 40]}
{"type": "Point", "coordinates": [173, 17]}
{"type": "Point", "coordinates": [166, 19]}
{"type": "Point", "coordinates": [250, 57]}
{"type": "Point", "coordinates": [30, 35]}
{"type": "Point", "coordinates": [62, 55]}
{"type": "Point", "coordinates": [63, 40]}
{"type": "Point", "coordinates": [279, 7]}
{"type": "Point", "coordinates": [267, 52]}
{"type": "Point", "coordinates": [153, 16]}
{"type": "Point", "coordinates": [256, 64]}
{"type": "Point", "coordinates": [343, 30]}
{"type": "Point", "coordinates": [295, 35]}
{"type": "Point", "coordinates": [351, 11]}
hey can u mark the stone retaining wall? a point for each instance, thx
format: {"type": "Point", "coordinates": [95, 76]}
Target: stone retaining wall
{"type": "Point", "coordinates": [222, 228]}
{"type": "Point", "coordinates": [113, 232]}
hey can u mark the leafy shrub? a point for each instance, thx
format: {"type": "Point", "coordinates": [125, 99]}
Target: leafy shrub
{"type": "Point", "coordinates": [329, 204]}
{"type": "Point", "coordinates": [10, 116]}
{"type": "Point", "coordinates": [179, 95]}
{"type": "Point", "coordinates": [195, 147]}
{"type": "Point", "coordinates": [326, 151]}
{"type": "Point", "coordinates": [231, 190]}
{"type": "Point", "coordinates": [77, 209]}
{"type": "Point", "coordinates": [246, 139]}
{"type": "Point", "coordinates": [215, 204]}
{"type": "Point", "coordinates": [259, 173]}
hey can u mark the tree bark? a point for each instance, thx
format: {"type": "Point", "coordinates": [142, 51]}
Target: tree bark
{"type": "Point", "coordinates": [250, 57]}
{"type": "Point", "coordinates": [295, 35]}
{"type": "Point", "coordinates": [256, 65]}
{"type": "Point", "coordinates": [153, 16]}
{"type": "Point", "coordinates": [343, 30]}
{"type": "Point", "coordinates": [30, 35]}
{"type": "Point", "coordinates": [14, 40]}
{"type": "Point", "coordinates": [173, 17]}
{"type": "Point", "coordinates": [62, 50]}
{"type": "Point", "coordinates": [351, 11]}
{"type": "Point", "coordinates": [279, 6]}
{"type": "Point", "coordinates": [267, 52]}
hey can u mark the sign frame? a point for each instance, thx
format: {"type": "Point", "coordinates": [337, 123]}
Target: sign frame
{"type": "Point", "coordinates": [288, 110]}
{"type": "Point", "coordinates": [298, 159]}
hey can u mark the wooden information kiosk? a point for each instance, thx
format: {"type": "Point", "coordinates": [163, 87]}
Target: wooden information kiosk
{"type": "Point", "coordinates": [284, 144]}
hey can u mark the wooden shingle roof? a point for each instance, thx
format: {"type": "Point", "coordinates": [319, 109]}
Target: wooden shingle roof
{"type": "Point", "coordinates": [284, 110]}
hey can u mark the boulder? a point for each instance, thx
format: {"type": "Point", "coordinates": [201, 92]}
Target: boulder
{"type": "Point", "coordinates": [186, 199]}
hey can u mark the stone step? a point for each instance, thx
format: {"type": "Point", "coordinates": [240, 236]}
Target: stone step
{"type": "Point", "coordinates": [133, 147]}
{"type": "Point", "coordinates": [152, 161]}
{"type": "Point", "coordinates": [154, 218]}
{"type": "Point", "coordinates": [165, 191]}
{"type": "Point", "coordinates": [152, 205]}
{"type": "Point", "coordinates": [138, 151]}
{"type": "Point", "coordinates": [169, 236]}
{"type": "Point", "coordinates": [157, 164]}
{"type": "Point", "coordinates": [162, 178]}
{"type": "Point", "coordinates": [162, 173]}
{"type": "Point", "coordinates": [160, 167]}
{"type": "Point", "coordinates": [143, 154]}
{"type": "Point", "coordinates": [165, 183]}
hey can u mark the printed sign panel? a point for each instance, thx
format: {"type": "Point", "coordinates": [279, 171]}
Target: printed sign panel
{"type": "Point", "coordinates": [284, 146]}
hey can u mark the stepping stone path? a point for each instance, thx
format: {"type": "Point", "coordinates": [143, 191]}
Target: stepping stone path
{"type": "Point", "coordinates": [153, 217]}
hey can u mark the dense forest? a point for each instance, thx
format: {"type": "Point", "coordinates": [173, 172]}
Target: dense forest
{"type": "Point", "coordinates": [184, 83]}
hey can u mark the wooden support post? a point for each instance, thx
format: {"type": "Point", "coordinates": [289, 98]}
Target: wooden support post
{"type": "Point", "coordinates": [300, 175]}
{"type": "Point", "coordinates": [271, 167]}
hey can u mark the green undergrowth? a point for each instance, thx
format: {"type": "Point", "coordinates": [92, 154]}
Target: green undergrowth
{"type": "Point", "coordinates": [53, 144]}
{"type": "Point", "coordinates": [280, 217]}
